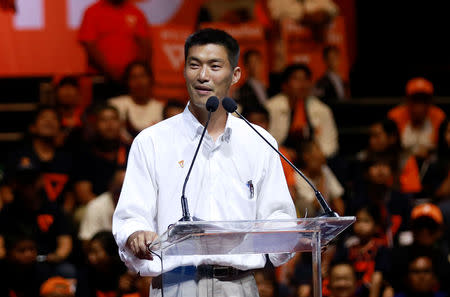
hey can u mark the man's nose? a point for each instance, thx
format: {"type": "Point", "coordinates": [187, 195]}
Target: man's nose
{"type": "Point", "coordinates": [204, 74]}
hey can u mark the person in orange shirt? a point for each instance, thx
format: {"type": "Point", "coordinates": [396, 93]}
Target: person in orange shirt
{"type": "Point", "coordinates": [418, 120]}
{"type": "Point", "coordinates": [113, 34]}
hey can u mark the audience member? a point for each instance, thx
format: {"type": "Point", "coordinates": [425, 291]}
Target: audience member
{"type": "Point", "coordinates": [376, 187]}
{"type": "Point", "coordinates": [384, 139]}
{"type": "Point", "coordinates": [342, 280]}
{"type": "Point", "coordinates": [105, 273]}
{"type": "Point", "coordinates": [330, 87]}
{"type": "Point", "coordinates": [70, 111]}
{"type": "Point", "coordinates": [173, 107]}
{"type": "Point", "coordinates": [367, 253]}
{"type": "Point", "coordinates": [437, 179]}
{"type": "Point", "coordinates": [33, 212]}
{"type": "Point", "coordinates": [426, 225]}
{"type": "Point", "coordinates": [312, 162]}
{"type": "Point", "coordinates": [106, 153]}
{"type": "Point", "coordinates": [295, 111]}
{"type": "Point", "coordinates": [99, 211]}
{"type": "Point", "coordinates": [41, 153]}
{"type": "Point", "coordinates": [252, 92]}
{"type": "Point", "coordinates": [420, 278]}
{"type": "Point", "coordinates": [418, 120]}
{"type": "Point", "coordinates": [138, 110]}
{"type": "Point", "coordinates": [20, 273]}
{"type": "Point", "coordinates": [114, 33]}
{"type": "Point", "coordinates": [58, 287]}
{"type": "Point", "coordinates": [266, 282]}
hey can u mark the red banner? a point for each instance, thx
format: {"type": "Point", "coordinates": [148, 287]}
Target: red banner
{"type": "Point", "coordinates": [300, 46]}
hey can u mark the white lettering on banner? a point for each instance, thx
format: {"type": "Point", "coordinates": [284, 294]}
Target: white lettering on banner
{"type": "Point", "coordinates": [30, 15]}
{"type": "Point", "coordinates": [159, 11]}
{"type": "Point", "coordinates": [175, 53]}
{"type": "Point", "coordinates": [75, 12]}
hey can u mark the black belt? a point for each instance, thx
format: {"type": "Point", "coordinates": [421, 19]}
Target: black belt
{"type": "Point", "coordinates": [222, 273]}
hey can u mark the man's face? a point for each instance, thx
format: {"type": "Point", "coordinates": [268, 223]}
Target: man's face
{"type": "Point", "coordinates": [342, 281]}
{"type": "Point", "coordinates": [418, 112]}
{"type": "Point", "coordinates": [208, 72]}
{"type": "Point", "coordinates": [139, 82]}
{"type": "Point", "coordinates": [298, 85]}
{"type": "Point", "coordinates": [420, 275]}
{"type": "Point", "coordinates": [333, 60]}
{"type": "Point", "coordinates": [46, 125]}
{"type": "Point", "coordinates": [108, 124]}
{"type": "Point", "coordinates": [24, 252]}
{"type": "Point", "coordinates": [254, 65]}
{"type": "Point", "coordinates": [380, 174]}
{"type": "Point", "coordinates": [378, 139]}
{"type": "Point", "coordinates": [68, 96]}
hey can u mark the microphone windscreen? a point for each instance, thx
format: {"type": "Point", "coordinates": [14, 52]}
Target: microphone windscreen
{"type": "Point", "coordinates": [229, 104]}
{"type": "Point", "coordinates": [212, 104]}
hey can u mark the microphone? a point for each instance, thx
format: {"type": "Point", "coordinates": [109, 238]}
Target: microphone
{"type": "Point", "coordinates": [211, 106]}
{"type": "Point", "coordinates": [231, 106]}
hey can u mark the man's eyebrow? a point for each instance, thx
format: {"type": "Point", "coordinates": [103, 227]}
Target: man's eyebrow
{"type": "Point", "coordinates": [215, 60]}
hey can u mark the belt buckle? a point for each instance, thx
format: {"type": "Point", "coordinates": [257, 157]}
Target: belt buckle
{"type": "Point", "coordinates": [221, 272]}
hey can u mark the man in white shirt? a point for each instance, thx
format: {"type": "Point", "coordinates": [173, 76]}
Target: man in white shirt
{"type": "Point", "coordinates": [231, 158]}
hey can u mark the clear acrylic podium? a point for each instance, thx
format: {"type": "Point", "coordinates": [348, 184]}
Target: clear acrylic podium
{"type": "Point", "coordinates": [185, 243]}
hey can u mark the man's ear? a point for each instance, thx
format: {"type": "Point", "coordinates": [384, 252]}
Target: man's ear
{"type": "Point", "coordinates": [236, 75]}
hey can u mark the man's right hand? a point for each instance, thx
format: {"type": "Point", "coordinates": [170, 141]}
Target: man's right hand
{"type": "Point", "coordinates": [138, 243]}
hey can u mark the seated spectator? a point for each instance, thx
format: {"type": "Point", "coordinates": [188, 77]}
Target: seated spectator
{"type": "Point", "coordinates": [376, 187]}
{"type": "Point", "coordinates": [99, 211]}
{"type": "Point", "coordinates": [58, 287]}
{"type": "Point", "coordinates": [20, 273]}
{"type": "Point", "coordinates": [295, 111]}
{"type": "Point", "coordinates": [106, 153]}
{"type": "Point", "coordinates": [367, 253]}
{"type": "Point", "coordinates": [418, 120]}
{"type": "Point", "coordinates": [105, 274]}
{"type": "Point", "coordinates": [437, 179]}
{"type": "Point", "coordinates": [312, 162]}
{"type": "Point", "coordinates": [420, 278]}
{"type": "Point", "coordinates": [330, 87]}
{"type": "Point", "coordinates": [138, 110]}
{"type": "Point", "coordinates": [114, 33]}
{"type": "Point", "coordinates": [342, 280]}
{"type": "Point", "coordinates": [384, 139]}
{"type": "Point", "coordinates": [70, 111]}
{"type": "Point", "coordinates": [33, 212]}
{"type": "Point", "coordinates": [252, 92]}
{"type": "Point", "coordinates": [173, 107]}
{"type": "Point", "coordinates": [42, 154]}
{"type": "Point", "coordinates": [426, 225]}
{"type": "Point", "coordinates": [266, 282]}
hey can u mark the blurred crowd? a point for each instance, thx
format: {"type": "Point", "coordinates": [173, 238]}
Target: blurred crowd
{"type": "Point", "coordinates": [60, 186]}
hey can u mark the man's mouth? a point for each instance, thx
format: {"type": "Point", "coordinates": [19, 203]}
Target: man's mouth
{"type": "Point", "coordinates": [203, 90]}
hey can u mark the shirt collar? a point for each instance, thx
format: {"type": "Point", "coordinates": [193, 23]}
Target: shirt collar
{"type": "Point", "coordinates": [194, 128]}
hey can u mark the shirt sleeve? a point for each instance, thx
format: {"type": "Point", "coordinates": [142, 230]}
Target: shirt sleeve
{"type": "Point", "coordinates": [274, 200]}
{"type": "Point", "coordinates": [142, 28]}
{"type": "Point", "coordinates": [88, 26]}
{"type": "Point", "coordinates": [136, 209]}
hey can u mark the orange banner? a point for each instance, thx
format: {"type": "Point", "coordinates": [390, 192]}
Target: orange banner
{"type": "Point", "coordinates": [300, 47]}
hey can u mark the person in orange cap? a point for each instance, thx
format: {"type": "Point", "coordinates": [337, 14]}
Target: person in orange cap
{"type": "Point", "coordinates": [418, 120]}
{"type": "Point", "coordinates": [58, 287]}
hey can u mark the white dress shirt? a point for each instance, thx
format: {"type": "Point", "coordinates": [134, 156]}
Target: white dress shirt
{"type": "Point", "coordinates": [217, 189]}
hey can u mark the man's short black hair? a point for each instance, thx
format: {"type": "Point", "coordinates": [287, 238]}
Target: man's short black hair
{"type": "Point", "coordinates": [214, 36]}
{"type": "Point", "coordinates": [68, 81]}
{"type": "Point", "coordinates": [291, 69]}
{"type": "Point", "coordinates": [130, 66]}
